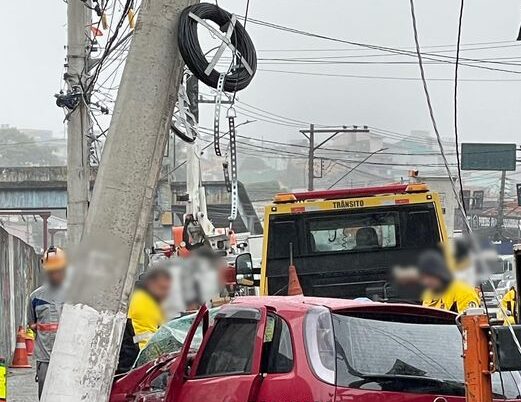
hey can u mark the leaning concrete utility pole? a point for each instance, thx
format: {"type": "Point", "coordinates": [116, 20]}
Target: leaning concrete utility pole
{"type": "Point", "coordinates": [103, 270]}
{"type": "Point", "coordinates": [79, 19]}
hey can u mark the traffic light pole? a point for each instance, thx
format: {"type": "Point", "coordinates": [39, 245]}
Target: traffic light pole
{"type": "Point", "coordinates": [103, 270]}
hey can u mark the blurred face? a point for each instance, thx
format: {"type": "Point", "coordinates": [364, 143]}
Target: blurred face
{"type": "Point", "coordinates": [159, 288]}
{"type": "Point", "coordinates": [432, 283]}
{"type": "Point", "coordinates": [56, 278]}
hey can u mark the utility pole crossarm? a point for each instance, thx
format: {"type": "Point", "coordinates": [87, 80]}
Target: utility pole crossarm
{"type": "Point", "coordinates": [326, 140]}
{"type": "Point", "coordinates": [339, 130]}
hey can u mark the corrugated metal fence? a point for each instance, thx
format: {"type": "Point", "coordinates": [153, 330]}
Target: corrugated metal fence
{"type": "Point", "coordinates": [19, 276]}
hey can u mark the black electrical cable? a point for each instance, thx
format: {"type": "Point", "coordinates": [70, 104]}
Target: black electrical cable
{"type": "Point", "coordinates": [182, 136]}
{"type": "Point", "coordinates": [190, 48]}
{"type": "Point", "coordinates": [456, 131]}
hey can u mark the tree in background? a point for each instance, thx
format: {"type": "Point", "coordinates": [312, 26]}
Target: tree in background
{"type": "Point", "coordinates": [18, 149]}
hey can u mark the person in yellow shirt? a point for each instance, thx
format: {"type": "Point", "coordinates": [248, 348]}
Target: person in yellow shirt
{"type": "Point", "coordinates": [443, 291]}
{"type": "Point", "coordinates": [145, 314]}
{"type": "Point", "coordinates": [509, 304]}
{"type": "Point", "coordinates": [145, 308]}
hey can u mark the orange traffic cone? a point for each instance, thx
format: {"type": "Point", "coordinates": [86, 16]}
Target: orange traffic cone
{"type": "Point", "coordinates": [294, 288]}
{"type": "Point", "coordinates": [20, 358]}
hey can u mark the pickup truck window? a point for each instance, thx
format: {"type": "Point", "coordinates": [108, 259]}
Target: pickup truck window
{"type": "Point", "coordinates": [230, 348]}
{"type": "Point", "coordinates": [277, 352]}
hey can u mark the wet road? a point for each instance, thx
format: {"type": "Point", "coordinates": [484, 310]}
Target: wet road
{"type": "Point", "coordinates": [21, 386]}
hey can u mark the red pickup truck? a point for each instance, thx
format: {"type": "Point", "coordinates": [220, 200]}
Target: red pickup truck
{"type": "Point", "coordinates": [304, 349]}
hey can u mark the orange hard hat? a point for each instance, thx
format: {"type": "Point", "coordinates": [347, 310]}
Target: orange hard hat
{"type": "Point", "coordinates": [54, 259]}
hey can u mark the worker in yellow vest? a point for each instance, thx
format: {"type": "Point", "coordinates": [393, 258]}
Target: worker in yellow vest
{"type": "Point", "coordinates": [442, 290]}
{"type": "Point", "coordinates": [145, 308]}
{"type": "Point", "coordinates": [509, 304]}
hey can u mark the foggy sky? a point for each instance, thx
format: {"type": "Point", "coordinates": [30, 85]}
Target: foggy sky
{"type": "Point", "coordinates": [33, 36]}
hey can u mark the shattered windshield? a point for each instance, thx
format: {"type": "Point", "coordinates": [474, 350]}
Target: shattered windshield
{"type": "Point", "coordinates": [394, 356]}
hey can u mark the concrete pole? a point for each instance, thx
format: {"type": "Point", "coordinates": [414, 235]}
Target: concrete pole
{"type": "Point", "coordinates": [311, 158]}
{"type": "Point", "coordinates": [500, 207]}
{"type": "Point", "coordinates": [79, 19]}
{"type": "Point", "coordinates": [103, 270]}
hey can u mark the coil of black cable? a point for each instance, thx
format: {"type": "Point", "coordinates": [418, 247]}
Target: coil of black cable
{"type": "Point", "coordinates": [190, 48]}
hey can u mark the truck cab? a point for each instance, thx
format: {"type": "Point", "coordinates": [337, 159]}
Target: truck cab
{"type": "Point", "coordinates": [345, 243]}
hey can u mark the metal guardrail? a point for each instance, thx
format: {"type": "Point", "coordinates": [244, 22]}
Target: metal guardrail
{"type": "Point", "coordinates": [19, 276]}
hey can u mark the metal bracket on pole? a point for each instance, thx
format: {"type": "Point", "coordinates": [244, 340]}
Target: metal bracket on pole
{"type": "Point", "coordinates": [217, 115]}
{"type": "Point", "coordinates": [233, 163]}
{"type": "Point", "coordinates": [184, 119]}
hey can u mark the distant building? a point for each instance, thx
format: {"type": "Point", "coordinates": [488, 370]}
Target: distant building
{"type": "Point", "coordinates": [37, 134]}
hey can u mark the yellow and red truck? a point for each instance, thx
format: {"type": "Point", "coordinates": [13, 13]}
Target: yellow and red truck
{"type": "Point", "coordinates": [345, 243]}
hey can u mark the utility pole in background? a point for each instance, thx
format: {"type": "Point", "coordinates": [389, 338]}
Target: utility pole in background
{"type": "Point", "coordinates": [79, 20]}
{"type": "Point", "coordinates": [310, 135]}
{"type": "Point", "coordinates": [501, 207]}
{"type": "Point", "coordinates": [311, 157]}
{"type": "Point", "coordinates": [87, 345]}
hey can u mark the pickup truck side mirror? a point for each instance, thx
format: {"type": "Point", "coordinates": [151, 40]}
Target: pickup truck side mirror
{"type": "Point", "coordinates": [244, 269]}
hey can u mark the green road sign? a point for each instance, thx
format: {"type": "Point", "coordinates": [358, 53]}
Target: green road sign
{"type": "Point", "coordinates": [480, 156]}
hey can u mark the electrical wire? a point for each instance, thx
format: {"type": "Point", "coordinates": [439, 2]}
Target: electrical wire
{"type": "Point", "coordinates": [353, 168]}
{"type": "Point", "coordinates": [426, 56]}
{"type": "Point", "coordinates": [456, 132]}
{"type": "Point", "coordinates": [481, 46]}
{"type": "Point", "coordinates": [383, 77]}
{"type": "Point", "coordinates": [235, 53]}
{"type": "Point", "coordinates": [110, 43]}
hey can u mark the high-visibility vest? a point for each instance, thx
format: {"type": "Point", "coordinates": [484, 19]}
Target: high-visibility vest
{"type": "Point", "coordinates": [457, 298]}
{"type": "Point", "coordinates": [146, 315]}
{"type": "Point", "coordinates": [509, 303]}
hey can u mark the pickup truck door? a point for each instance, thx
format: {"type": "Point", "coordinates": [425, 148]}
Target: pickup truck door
{"type": "Point", "coordinates": [227, 366]}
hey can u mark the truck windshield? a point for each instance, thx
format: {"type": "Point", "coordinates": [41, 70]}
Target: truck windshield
{"type": "Point", "coordinates": [354, 232]}
{"type": "Point", "coordinates": [398, 356]}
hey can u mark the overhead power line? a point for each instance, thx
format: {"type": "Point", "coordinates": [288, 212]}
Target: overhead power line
{"type": "Point", "coordinates": [481, 46]}
{"type": "Point", "coordinates": [383, 77]}
{"type": "Point", "coordinates": [456, 133]}
{"type": "Point", "coordinates": [426, 56]}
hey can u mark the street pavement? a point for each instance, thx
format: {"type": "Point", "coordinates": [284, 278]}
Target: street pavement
{"type": "Point", "coordinates": [21, 386]}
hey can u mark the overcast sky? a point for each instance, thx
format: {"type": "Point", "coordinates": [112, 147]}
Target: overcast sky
{"type": "Point", "coordinates": [33, 38]}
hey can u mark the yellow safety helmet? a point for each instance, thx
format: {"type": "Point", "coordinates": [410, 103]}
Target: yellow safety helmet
{"type": "Point", "coordinates": [54, 259]}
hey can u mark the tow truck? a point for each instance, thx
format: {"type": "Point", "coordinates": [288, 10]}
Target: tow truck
{"type": "Point", "coordinates": [345, 243]}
